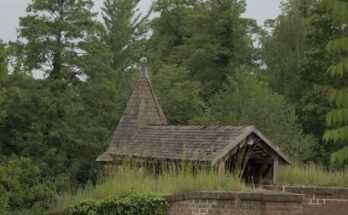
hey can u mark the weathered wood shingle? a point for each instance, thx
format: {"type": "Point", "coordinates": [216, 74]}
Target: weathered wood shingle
{"type": "Point", "coordinates": [142, 109]}
{"type": "Point", "coordinates": [194, 143]}
{"type": "Point", "coordinates": [206, 144]}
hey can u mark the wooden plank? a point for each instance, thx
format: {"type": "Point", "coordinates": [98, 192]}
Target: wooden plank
{"type": "Point", "coordinates": [221, 168]}
{"type": "Point", "coordinates": [275, 170]}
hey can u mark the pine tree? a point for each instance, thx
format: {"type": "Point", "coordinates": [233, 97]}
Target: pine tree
{"type": "Point", "coordinates": [124, 32]}
{"type": "Point", "coordinates": [64, 120]}
{"type": "Point", "coordinates": [53, 31]}
{"type": "Point", "coordinates": [337, 118]}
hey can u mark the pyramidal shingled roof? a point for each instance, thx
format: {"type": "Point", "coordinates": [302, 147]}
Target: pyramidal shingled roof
{"type": "Point", "coordinates": [143, 133]}
{"type": "Point", "coordinates": [142, 110]}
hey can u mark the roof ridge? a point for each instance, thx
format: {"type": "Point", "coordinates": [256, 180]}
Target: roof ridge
{"type": "Point", "coordinates": [160, 111]}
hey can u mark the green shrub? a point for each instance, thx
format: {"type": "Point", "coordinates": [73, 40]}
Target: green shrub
{"type": "Point", "coordinates": [133, 205]}
{"type": "Point", "coordinates": [126, 204]}
{"type": "Point", "coordinates": [87, 207]}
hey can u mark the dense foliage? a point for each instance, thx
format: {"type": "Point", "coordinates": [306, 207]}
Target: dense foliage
{"type": "Point", "coordinates": [248, 100]}
{"type": "Point", "coordinates": [3, 76]}
{"type": "Point", "coordinates": [65, 82]}
{"type": "Point", "coordinates": [298, 62]}
{"type": "Point", "coordinates": [126, 204]}
{"type": "Point", "coordinates": [23, 189]}
{"type": "Point", "coordinates": [337, 118]}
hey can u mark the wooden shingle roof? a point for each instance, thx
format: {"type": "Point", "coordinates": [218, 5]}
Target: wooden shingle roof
{"type": "Point", "coordinates": [143, 133]}
{"type": "Point", "coordinates": [207, 144]}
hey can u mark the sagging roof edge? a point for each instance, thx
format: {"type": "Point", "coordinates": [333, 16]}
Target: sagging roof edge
{"type": "Point", "coordinates": [245, 134]}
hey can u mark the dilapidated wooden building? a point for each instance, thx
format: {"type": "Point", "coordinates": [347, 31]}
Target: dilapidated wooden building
{"type": "Point", "coordinates": [143, 134]}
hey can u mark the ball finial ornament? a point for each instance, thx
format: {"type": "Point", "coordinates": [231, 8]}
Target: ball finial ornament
{"type": "Point", "coordinates": [143, 60]}
{"type": "Point", "coordinates": [143, 70]}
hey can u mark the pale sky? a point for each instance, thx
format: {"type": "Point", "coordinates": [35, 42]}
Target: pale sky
{"type": "Point", "coordinates": [11, 10]}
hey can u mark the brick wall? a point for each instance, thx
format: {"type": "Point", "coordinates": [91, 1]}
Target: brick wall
{"type": "Point", "coordinates": [279, 200]}
{"type": "Point", "coordinates": [234, 203]}
{"type": "Point", "coordinates": [319, 200]}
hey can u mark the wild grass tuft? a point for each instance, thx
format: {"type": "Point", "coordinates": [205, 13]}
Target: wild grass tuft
{"type": "Point", "coordinates": [132, 179]}
{"type": "Point", "coordinates": [128, 178]}
{"type": "Point", "coordinates": [312, 175]}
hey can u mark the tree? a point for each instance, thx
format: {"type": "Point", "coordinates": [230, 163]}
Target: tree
{"type": "Point", "coordinates": [54, 31]}
{"type": "Point", "coordinates": [124, 32]}
{"type": "Point", "coordinates": [284, 48]}
{"type": "Point", "coordinates": [337, 118]}
{"type": "Point", "coordinates": [296, 62]}
{"type": "Point", "coordinates": [3, 77]}
{"type": "Point", "coordinates": [64, 120]}
{"type": "Point", "coordinates": [313, 105]}
{"type": "Point", "coordinates": [207, 38]}
{"type": "Point", "coordinates": [248, 100]}
{"type": "Point", "coordinates": [179, 97]}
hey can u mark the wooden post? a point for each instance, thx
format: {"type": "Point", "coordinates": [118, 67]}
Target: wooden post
{"type": "Point", "coordinates": [275, 170]}
{"type": "Point", "coordinates": [221, 168]}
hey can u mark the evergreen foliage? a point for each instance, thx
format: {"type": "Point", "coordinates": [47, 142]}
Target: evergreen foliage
{"type": "Point", "coordinates": [64, 120]}
{"type": "Point", "coordinates": [180, 98]}
{"type": "Point", "coordinates": [337, 118]}
{"type": "Point", "coordinates": [3, 76]}
{"type": "Point", "coordinates": [54, 31]}
{"type": "Point", "coordinates": [124, 37]}
{"type": "Point", "coordinates": [125, 31]}
{"type": "Point", "coordinates": [297, 66]}
{"type": "Point", "coordinates": [207, 38]}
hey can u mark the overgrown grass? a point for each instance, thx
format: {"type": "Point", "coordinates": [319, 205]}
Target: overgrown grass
{"type": "Point", "coordinates": [312, 175]}
{"type": "Point", "coordinates": [131, 179]}
{"type": "Point", "coordinates": [127, 178]}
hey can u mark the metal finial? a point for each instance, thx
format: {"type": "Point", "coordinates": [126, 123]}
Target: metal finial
{"type": "Point", "coordinates": [143, 71]}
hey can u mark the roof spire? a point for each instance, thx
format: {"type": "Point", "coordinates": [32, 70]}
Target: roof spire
{"type": "Point", "coordinates": [143, 70]}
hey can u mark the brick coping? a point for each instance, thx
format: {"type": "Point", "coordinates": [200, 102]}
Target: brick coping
{"type": "Point", "coordinates": [263, 196]}
{"type": "Point", "coordinates": [308, 189]}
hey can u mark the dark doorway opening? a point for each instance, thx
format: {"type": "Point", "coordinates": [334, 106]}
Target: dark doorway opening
{"type": "Point", "coordinates": [252, 163]}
